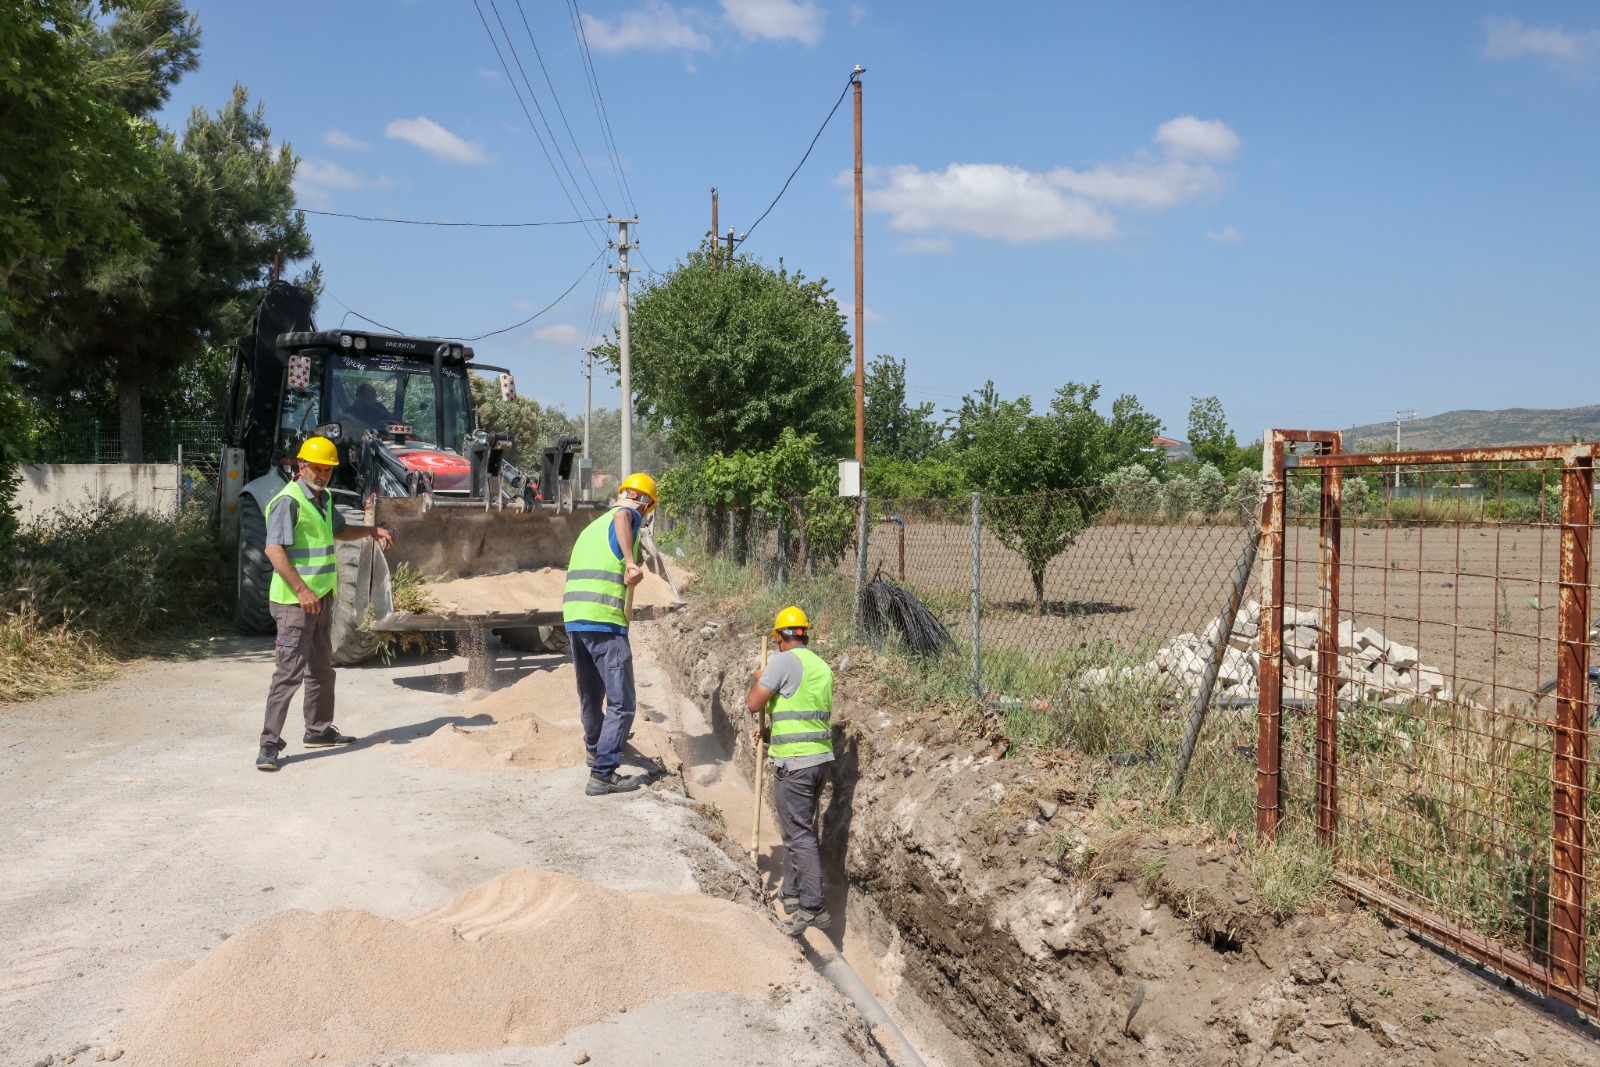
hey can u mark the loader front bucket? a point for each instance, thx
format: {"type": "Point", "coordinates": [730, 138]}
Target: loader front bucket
{"type": "Point", "coordinates": [493, 568]}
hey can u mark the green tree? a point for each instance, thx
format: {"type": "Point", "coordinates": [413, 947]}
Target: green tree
{"type": "Point", "coordinates": [1016, 455]}
{"type": "Point", "coordinates": [1210, 439]}
{"type": "Point", "coordinates": [212, 225]}
{"type": "Point", "coordinates": [725, 357]}
{"type": "Point", "coordinates": [893, 428]}
{"type": "Point", "coordinates": [518, 417]}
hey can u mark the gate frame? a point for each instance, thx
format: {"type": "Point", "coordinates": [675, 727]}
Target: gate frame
{"type": "Point", "coordinates": [1563, 976]}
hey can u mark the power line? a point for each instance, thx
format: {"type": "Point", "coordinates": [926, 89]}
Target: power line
{"type": "Point", "coordinates": [348, 311]}
{"type": "Point", "coordinates": [554, 142]}
{"type": "Point", "coordinates": [803, 158]}
{"type": "Point", "coordinates": [600, 104]}
{"type": "Point", "coordinates": [470, 225]}
{"type": "Point", "coordinates": [495, 44]}
{"type": "Point", "coordinates": [559, 109]}
{"type": "Point", "coordinates": [541, 311]}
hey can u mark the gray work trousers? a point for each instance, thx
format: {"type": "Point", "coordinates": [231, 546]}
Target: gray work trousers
{"type": "Point", "coordinates": [603, 665]}
{"type": "Point", "coordinates": [304, 653]}
{"type": "Point", "coordinates": [796, 794]}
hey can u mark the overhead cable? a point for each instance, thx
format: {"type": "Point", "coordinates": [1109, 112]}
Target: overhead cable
{"type": "Point", "coordinates": [471, 225]}
{"type": "Point", "coordinates": [495, 44]}
{"type": "Point", "coordinates": [803, 158]}
{"type": "Point", "coordinates": [541, 311]}
{"type": "Point", "coordinates": [600, 104]}
{"type": "Point", "coordinates": [559, 109]}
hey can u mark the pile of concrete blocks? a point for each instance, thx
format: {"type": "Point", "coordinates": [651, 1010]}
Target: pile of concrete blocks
{"type": "Point", "coordinates": [1370, 666]}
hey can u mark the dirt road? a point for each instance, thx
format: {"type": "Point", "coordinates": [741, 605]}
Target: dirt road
{"type": "Point", "coordinates": [147, 859]}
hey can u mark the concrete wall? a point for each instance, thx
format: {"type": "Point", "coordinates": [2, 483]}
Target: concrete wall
{"type": "Point", "coordinates": [51, 487]}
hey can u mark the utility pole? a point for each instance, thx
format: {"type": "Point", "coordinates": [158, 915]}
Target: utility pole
{"type": "Point", "coordinates": [621, 245]}
{"type": "Point", "coordinates": [730, 246]}
{"type": "Point", "coordinates": [715, 257]}
{"type": "Point", "coordinates": [588, 396]}
{"type": "Point", "coordinates": [861, 297]}
{"type": "Point", "coordinates": [1398, 416]}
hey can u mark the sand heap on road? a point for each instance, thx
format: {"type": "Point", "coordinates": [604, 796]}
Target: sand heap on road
{"type": "Point", "coordinates": [520, 960]}
{"type": "Point", "coordinates": [535, 726]}
{"type": "Point", "coordinates": [532, 725]}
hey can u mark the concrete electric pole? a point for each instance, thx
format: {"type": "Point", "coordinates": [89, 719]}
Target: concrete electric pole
{"type": "Point", "coordinates": [588, 399]}
{"type": "Point", "coordinates": [861, 298]}
{"type": "Point", "coordinates": [625, 356]}
{"type": "Point", "coordinates": [1398, 417]}
{"type": "Point", "coordinates": [714, 229]}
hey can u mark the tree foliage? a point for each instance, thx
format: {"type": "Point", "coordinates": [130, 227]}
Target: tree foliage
{"type": "Point", "coordinates": [518, 418]}
{"type": "Point", "coordinates": [1038, 527]}
{"type": "Point", "coordinates": [726, 356]}
{"type": "Point", "coordinates": [1210, 439]}
{"type": "Point", "coordinates": [895, 430]}
{"type": "Point", "coordinates": [220, 208]}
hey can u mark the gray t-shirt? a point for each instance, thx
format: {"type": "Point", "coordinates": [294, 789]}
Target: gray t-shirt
{"type": "Point", "coordinates": [282, 516]}
{"type": "Point", "coordinates": [783, 676]}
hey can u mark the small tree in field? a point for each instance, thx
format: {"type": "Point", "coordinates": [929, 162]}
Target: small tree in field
{"type": "Point", "coordinates": [1038, 528]}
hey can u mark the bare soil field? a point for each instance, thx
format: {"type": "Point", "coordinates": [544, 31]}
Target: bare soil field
{"type": "Point", "coordinates": [1478, 602]}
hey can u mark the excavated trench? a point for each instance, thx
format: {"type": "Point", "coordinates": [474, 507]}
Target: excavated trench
{"type": "Point", "coordinates": [1001, 919]}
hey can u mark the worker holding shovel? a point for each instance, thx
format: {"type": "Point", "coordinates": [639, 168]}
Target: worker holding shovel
{"type": "Point", "coordinates": [801, 752]}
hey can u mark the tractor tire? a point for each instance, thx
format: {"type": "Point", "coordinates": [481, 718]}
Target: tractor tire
{"type": "Point", "coordinates": [550, 639]}
{"type": "Point", "coordinates": [352, 641]}
{"type": "Point", "coordinates": [253, 576]}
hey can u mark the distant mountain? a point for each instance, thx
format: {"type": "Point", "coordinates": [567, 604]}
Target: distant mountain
{"type": "Point", "coordinates": [1508, 426]}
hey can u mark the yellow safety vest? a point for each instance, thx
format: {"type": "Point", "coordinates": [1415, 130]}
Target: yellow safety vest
{"type": "Point", "coordinates": [312, 553]}
{"type": "Point", "coordinates": [800, 723]}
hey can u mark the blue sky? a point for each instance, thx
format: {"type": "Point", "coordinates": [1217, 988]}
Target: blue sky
{"type": "Point", "coordinates": [1319, 215]}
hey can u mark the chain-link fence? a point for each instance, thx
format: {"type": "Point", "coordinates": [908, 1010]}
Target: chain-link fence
{"type": "Point", "coordinates": [193, 444]}
{"type": "Point", "coordinates": [1094, 612]}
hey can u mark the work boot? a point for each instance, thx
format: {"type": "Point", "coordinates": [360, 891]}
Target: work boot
{"type": "Point", "coordinates": [613, 783]}
{"type": "Point", "coordinates": [328, 737]}
{"type": "Point", "coordinates": [803, 920]}
{"type": "Point", "coordinates": [268, 760]}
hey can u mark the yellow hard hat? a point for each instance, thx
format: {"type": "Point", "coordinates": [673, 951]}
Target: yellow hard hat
{"type": "Point", "coordinates": [641, 483]}
{"type": "Point", "coordinates": [319, 450]}
{"type": "Point", "coordinates": [790, 618]}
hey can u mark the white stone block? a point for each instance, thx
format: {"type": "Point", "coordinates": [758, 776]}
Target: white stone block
{"type": "Point", "coordinates": [1370, 638]}
{"type": "Point", "coordinates": [1402, 656]}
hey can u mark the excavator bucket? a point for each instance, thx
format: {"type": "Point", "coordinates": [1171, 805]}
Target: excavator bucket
{"type": "Point", "coordinates": [487, 567]}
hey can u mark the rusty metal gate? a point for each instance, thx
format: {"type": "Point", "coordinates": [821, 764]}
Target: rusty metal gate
{"type": "Point", "coordinates": [1426, 699]}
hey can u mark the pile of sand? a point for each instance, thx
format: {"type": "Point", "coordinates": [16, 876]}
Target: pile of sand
{"type": "Point", "coordinates": [522, 591]}
{"type": "Point", "coordinates": [520, 960]}
{"type": "Point", "coordinates": [532, 725]}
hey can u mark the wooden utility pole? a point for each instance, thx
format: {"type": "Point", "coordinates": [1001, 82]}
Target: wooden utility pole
{"type": "Point", "coordinates": [861, 297]}
{"type": "Point", "coordinates": [715, 257]}
{"type": "Point", "coordinates": [625, 355]}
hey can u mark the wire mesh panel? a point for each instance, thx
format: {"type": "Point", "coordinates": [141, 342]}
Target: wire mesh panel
{"type": "Point", "coordinates": [1435, 699]}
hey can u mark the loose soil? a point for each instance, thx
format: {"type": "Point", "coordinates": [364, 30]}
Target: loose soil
{"type": "Point", "coordinates": [1040, 921]}
{"type": "Point", "coordinates": [520, 960]}
{"type": "Point", "coordinates": [523, 591]}
{"type": "Point", "coordinates": [1478, 602]}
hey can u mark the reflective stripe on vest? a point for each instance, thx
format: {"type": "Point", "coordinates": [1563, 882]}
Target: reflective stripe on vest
{"type": "Point", "coordinates": [313, 551]}
{"type": "Point", "coordinates": [800, 723]}
{"type": "Point", "coordinates": [594, 591]}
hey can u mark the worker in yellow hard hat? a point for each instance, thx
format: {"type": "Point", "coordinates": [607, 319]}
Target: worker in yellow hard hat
{"type": "Point", "coordinates": [603, 567]}
{"type": "Point", "coordinates": [799, 685]}
{"type": "Point", "coordinates": [302, 526]}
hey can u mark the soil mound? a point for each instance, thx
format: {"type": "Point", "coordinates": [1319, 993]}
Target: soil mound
{"type": "Point", "coordinates": [520, 960]}
{"type": "Point", "coordinates": [531, 590]}
{"type": "Point", "coordinates": [535, 727]}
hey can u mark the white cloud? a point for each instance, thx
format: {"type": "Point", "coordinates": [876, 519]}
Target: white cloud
{"type": "Point", "coordinates": [557, 333]}
{"type": "Point", "coordinates": [1187, 136]}
{"type": "Point", "coordinates": [1508, 38]}
{"type": "Point", "coordinates": [857, 13]}
{"type": "Point", "coordinates": [436, 140]}
{"type": "Point", "coordinates": [491, 75]}
{"type": "Point", "coordinates": [1228, 235]}
{"type": "Point", "coordinates": [1018, 205]}
{"type": "Point", "coordinates": [340, 139]}
{"type": "Point", "coordinates": [776, 20]}
{"type": "Point", "coordinates": [924, 246]}
{"type": "Point", "coordinates": [315, 181]}
{"type": "Point", "coordinates": [656, 27]}
{"type": "Point", "coordinates": [868, 314]}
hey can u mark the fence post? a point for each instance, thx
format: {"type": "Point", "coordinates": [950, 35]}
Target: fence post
{"type": "Point", "coordinates": [1219, 649]}
{"type": "Point", "coordinates": [1269, 706]}
{"type": "Point", "coordinates": [1330, 503]}
{"type": "Point", "coordinates": [1569, 797]}
{"type": "Point", "coordinates": [861, 558]}
{"type": "Point", "coordinates": [977, 574]}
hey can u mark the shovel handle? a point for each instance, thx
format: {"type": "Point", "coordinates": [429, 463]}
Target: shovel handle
{"type": "Point", "coordinates": [761, 758]}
